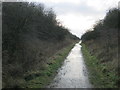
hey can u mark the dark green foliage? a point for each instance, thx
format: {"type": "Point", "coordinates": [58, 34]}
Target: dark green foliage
{"type": "Point", "coordinates": [111, 19]}
{"type": "Point", "coordinates": [30, 35]}
{"type": "Point", "coordinates": [100, 74]}
{"type": "Point", "coordinates": [104, 28]}
{"type": "Point", "coordinates": [102, 43]}
{"type": "Point", "coordinates": [90, 35]}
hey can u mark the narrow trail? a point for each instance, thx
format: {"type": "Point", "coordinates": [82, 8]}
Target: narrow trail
{"type": "Point", "coordinates": [73, 73]}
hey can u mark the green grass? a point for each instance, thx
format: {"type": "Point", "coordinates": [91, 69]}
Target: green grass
{"type": "Point", "coordinates": [100, 74]}
{"type": "Point", "coordinates": [41, 78]}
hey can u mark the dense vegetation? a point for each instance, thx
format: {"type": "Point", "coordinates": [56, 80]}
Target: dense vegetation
{"type": "Point", "coordinates": [30, 36]}
{"type": "Point", "coordinates": [100, 48]}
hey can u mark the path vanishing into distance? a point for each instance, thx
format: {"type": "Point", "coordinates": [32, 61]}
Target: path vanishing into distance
{"type": "Point", "coordinates": [73, 73]}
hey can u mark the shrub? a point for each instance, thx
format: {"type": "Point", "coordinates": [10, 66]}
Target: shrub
{"type": "Point", "coordinates": [90, 35]}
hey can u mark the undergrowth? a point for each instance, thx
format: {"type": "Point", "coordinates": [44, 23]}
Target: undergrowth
{"type": "Point", "coordinates": [100, 74]}
{"type": "Point", "coordinates": [43, 77]}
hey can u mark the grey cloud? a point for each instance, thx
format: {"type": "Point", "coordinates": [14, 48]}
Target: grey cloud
{"type": "Point", "coordinates": [82, 8]}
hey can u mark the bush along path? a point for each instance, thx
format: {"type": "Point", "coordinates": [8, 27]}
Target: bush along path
{"type": "Point", "coordinates": [41, 78]}
{"type": "Point", "coordinates": [99, 75]}
{"type": "Point", "coordinates": [100, 50]}
{"type": "Point", "coordinates": [30, 35]}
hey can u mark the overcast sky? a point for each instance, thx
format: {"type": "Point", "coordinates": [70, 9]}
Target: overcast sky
{"type": "Point", "coordinates": [79, 15]}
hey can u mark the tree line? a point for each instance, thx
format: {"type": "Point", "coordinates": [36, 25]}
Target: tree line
{"type": "Point", "coordinates": [103, 43]}
{"type": "Point", "coordinates": [30, 35]}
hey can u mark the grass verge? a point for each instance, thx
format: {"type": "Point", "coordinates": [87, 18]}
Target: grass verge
{"type": "Point", "coordinates": [99, 75]}
{"type": "Point", "coordinates": [41, 78]}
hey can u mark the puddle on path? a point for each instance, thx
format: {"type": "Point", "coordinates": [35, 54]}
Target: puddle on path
{"type": "Point", "coordinates": [73, 73]}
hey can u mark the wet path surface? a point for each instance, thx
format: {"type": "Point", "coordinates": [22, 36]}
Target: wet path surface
{"type": "Point", "coordinates": [73, 73]}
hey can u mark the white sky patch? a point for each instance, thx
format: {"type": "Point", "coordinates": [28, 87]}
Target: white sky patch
{"type": "Point", "coordinates": [78, 23]}
{"type": "Point", "coordinates": [102, 4]}
{"type": "Point", "coordinates": [97, 4]}
{"type": "Point", "coordinates": [58, 1]}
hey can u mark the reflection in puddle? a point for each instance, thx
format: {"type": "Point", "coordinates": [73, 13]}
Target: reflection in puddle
{"type": "Point", "coordinates": [73, 73]}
